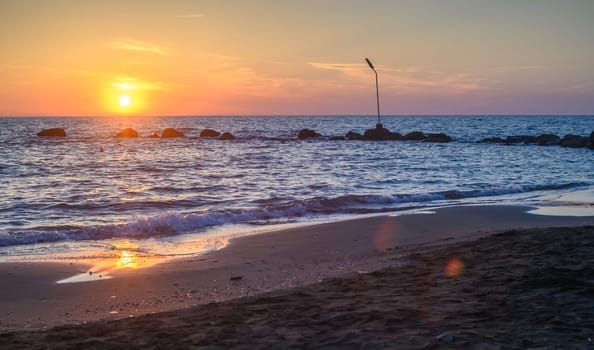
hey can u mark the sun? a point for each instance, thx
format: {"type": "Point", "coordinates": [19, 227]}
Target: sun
{"type": "Point", "coordinates": [125, 97]}
{"type": "Point", "coordinates": [125, 101]}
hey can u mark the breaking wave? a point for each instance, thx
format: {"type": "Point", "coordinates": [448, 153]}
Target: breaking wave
{"type": "Point", "coordinates": [269, 211]}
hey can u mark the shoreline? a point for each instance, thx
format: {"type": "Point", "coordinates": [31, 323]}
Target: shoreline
{"type": "Point", "coordinates": [251, 265]}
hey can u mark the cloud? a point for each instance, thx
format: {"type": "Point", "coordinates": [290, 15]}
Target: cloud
{"type": "Point", "coordinates": [223, 57]}
{"type": "Point", "coordinates": [518, 68]}
{"type": "Point", "coordinates": [191, 15]}
{"type": "Point", "coordinates": [585, 86]}
{"type": "Point", "coordinates": [338, 66]}
{"type": "Point", "coordinates": [128, 83]}
{"type": "Point", "coordinates": [82, 72]}
{"type": "Point", "coordinates": [408, 79]}
{"type": "Point", "coordinates": [140, 46]}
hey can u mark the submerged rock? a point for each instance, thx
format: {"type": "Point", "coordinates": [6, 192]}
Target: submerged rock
{"type": "Point", "coordinates": [441, 138]}
{"type": "Point", "coordinates": [351, 135]}
{"type": "Point", "coordinates": [127, 132]}
{"type": "Point", "coordinates": [170, 133]}
{"type": "Point", "coordinates": [493, 140]}
{"type": "Point", "coordinates": [573, 141]}
{"type": "Point", "coordinates": [209, 133]}
{"type": "Point", "coordinates": [307, 134]}
{"type": "Point", "coordinates": [337, 138]}
{"type": "Point", "coordinates": [227, 136]}
{"type": "Point", "coordinates": [53, 132]}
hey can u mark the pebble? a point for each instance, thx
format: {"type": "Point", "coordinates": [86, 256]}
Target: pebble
{"type": "Point", "coordinates": [446, 338]}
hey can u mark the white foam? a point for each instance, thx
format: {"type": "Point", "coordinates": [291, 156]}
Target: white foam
{"type": "Point", "coordinates": [175, 223]}
{"type": "Point", "coordinates": [564, 210]}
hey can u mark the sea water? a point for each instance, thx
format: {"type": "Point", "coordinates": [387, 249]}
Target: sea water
{"type": "Point", "coordinates": [75, 196]}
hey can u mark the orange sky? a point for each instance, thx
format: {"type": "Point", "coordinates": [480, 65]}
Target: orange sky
{"type": "Point", "coordinates": [178, 57]}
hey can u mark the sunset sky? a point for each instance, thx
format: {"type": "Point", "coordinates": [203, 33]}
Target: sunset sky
{"type": "Point", "coordinates": [191, 57]}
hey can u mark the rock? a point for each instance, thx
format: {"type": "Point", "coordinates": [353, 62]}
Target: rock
{"type": "Point", "coordinates": [337, 138]}
{"type": "Point", "coordinates": [520, 139]}
{"type": "Point", "coordinates": [154, 135]}
{"type": "Point", "coordinates": [591, 141]}
{"type": "Point", "coordinates": [236, 278]}
{"type": "Point", "coordinates": [529, 139]}
{"type": "Point", "coordinates": [493, 140]}
{"type": "Point", "coordinates": [441, 138]}
{"type": "Point", "coordinates": [227, 136]}
{"type": "Point", "coordinates": [127, 132]}
{"type": "Point", "coordinates": [513, 139]}
{"type": "Point", "coordinates": [54, 132]}
{"type": "Point", "coordinates": [574, 141]}
{"type": "Point", "coordinates": [414, 136]}
{"type": "Point", "coordinates": [170, 133]}
{"type": "Point", "coordinates": [548, 140]}
{"type": "Point", "coordinates": [209, 133]}
{"type": "Point", "coordinates": [307, 134]}
{"type": "Point", "coordinates": [378, 134]}
{"type": "Point", "coordinates": [351, 135]}
{"type": "Point", "coordinates": [393, 136]}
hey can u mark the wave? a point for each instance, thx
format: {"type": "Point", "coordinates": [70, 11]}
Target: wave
{"type": "Point", "coordinates": [267, 211]}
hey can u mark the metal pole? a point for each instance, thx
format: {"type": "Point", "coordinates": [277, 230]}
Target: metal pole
{"type": "Point", "coordinates": [376, 90]}
{"type": "Point", "coordinates": [377, 97]}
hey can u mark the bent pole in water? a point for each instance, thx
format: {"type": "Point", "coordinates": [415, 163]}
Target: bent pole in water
{"type": "Point", "coordinates": [376, 89]}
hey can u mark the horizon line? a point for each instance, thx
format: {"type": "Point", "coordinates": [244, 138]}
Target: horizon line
{"type": "Point", "coordinates": [303, 115]}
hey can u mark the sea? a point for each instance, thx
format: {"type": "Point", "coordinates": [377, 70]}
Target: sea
{"type": "Point", "coordinates": [81, 196]}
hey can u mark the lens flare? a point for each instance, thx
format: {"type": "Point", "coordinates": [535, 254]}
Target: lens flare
{"type": "Point", "coordinates": [454, 267]}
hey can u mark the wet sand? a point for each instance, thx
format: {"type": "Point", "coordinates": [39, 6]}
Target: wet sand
{"type": "Point", "coordinates": [425, 281]}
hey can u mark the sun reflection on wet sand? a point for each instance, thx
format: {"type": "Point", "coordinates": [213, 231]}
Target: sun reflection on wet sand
{"type": "Point", "coordinates": [127, 259]}
{"type": "Point", "coordinates": [126, 256]}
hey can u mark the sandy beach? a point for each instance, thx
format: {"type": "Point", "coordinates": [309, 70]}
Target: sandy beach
{"type": "Point", "coordinates": [296, 174]}
{"type": "Point", "coordinates": [484, 276]}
